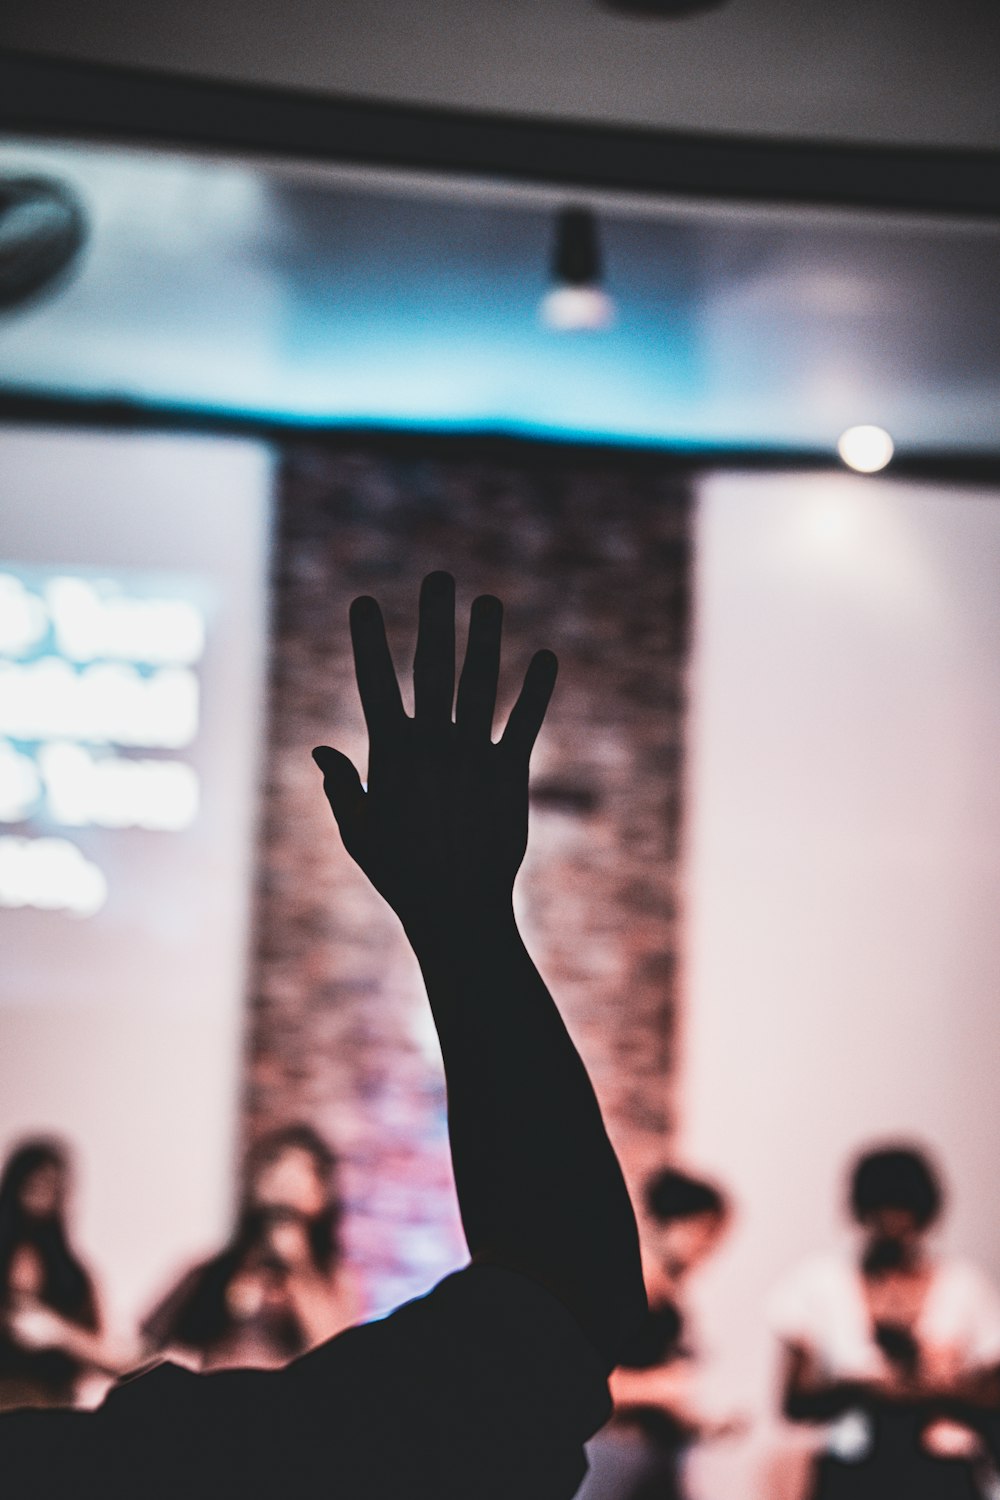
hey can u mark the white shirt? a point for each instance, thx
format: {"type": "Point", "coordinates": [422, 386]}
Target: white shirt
{"type": "Point", "coordinates": [821, 1307]}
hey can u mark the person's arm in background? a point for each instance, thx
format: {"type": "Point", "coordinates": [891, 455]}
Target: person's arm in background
{"type": "Point", "coordinates": [665, 1387]}
{"type": "Point", "coordinates": [810, 1396]}
{"type": "Point", "coordinates": [40, 1327]}
{"type": "Point", "coordinates": [441, 832]}
{"type": "Point", "coordinates": [669, 1388]}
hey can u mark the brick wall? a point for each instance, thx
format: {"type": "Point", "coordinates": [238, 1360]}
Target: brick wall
{"type": "Point", "coordinates": [592, 558]}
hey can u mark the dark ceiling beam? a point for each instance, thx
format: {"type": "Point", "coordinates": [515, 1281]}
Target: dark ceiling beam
{"type": "Point", "coordinates": [62, 99]}
{"type": "Point", "coordinates": [24, 408]}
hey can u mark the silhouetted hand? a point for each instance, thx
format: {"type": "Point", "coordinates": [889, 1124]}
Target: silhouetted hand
{"type": "Point", "coordinates": [443, 825]}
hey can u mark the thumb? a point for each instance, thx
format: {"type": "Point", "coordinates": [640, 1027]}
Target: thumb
{"type": "Point", "coordinates": [342, 786]}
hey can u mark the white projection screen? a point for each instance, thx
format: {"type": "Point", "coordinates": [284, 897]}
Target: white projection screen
{"type": "Point", "coordinates": [133, 610]}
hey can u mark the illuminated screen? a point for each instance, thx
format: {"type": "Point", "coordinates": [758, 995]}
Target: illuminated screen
{"type": "Point", "coordinates": [132, 606]}
{"type": "Point", "coordinates": [99, 707]}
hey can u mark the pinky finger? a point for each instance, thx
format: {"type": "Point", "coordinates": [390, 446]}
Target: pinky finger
{"type": "Point", "coordinates": [528, 712]}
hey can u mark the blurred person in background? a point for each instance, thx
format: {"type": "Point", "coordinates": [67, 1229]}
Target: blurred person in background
{"type": "Point", "coordinates": [894, 1347]}
{"type": "Point", "coordinates": [656, 1409]}
{"type": "Point", "coordinates": [280, 1286]}
{"type": "Point", "coordinates": [51, 1333]}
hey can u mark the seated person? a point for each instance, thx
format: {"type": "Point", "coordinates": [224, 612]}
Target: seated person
{"type": "Point", "coordinates": [489, 1386]}
{"type": "Point", "coordinates": [51, 1333]}
{"type": "Point", "coordinates": [656, 1411]}
{"type": "Point", "coordinates": [896, 1348]}
{"type": "Point", "coordinates": [280, 1286]}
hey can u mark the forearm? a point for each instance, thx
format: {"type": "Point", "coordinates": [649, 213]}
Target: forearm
{"type": "Point", "coordinates": [969, 1397]}
{"type": "Point", "coordinates": [94, 1348]}
{"type": "Point", "coordinates": [665, 1387]}
{"type": "Point", "coordinates": [825, 1402]}
{"type": "Point", "coordinates": [539, 1185]}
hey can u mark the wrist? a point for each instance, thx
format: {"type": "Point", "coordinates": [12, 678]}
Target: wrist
{"type": "Point", "coordinates": [471, 922]}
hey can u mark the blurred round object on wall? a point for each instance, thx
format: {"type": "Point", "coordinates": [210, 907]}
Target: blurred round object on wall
{"type": "Point", "coordinates": [660, 10]}
{"type": "Point", "coordinates": [43, 229]}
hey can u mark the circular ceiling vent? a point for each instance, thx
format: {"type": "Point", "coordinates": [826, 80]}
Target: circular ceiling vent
{"type": "Point", "coordinates": [660, 10]}
{"type": "Point", "coordinates": [42, 231]}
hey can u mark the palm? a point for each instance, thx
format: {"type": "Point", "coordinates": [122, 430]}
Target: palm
{"type": "Point", "coordinates": [445, 816]}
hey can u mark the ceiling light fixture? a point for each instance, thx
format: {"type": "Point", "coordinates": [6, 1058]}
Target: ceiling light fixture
{"type": "Point", "coordinates": [866, 449]}
{"type": "Point", "coordinates": [42, 231]}
{"type": "Point", "coordinates": [660, 10]}
{"type": "Point", "coordinates": [577, 300]}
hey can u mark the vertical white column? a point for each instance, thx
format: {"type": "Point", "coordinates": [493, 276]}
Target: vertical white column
{"type": "Point", "coordinates": [843, 852]}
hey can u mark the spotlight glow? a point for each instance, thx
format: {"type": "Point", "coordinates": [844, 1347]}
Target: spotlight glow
{"type": "Point", "coordinates": [577, 308]}
{"type": "Point", "coordinates": [866, 449]}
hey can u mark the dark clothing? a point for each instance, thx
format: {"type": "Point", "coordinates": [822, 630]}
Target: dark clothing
{"type": "Point", "coordinates": [896, 1464]}
{"type": "Point", "coordinates": [486, 1388]}
{"type": "Point", "coordinates": [657, 1341]}
{"type": "Point", "coordinates": [36, 1377]}
{"type": "Point", "coordinates": [886, 1474]}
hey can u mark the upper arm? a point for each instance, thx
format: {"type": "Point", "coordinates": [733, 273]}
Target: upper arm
{"type": "Point", "coordinates": [498, 1381]}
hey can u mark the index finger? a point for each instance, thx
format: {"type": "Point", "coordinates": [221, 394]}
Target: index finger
{"type": "Point", "coordinates": [377, 684]}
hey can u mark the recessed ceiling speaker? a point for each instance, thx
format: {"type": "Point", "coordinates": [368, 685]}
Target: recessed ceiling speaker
{"type": "Point", "coordinates": [43, 229]}
{"type": "Point", "coordinates": [660, 10]}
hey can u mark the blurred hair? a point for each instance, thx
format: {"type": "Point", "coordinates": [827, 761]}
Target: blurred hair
{"type": "Point", "coordinates": [896, 1176]}
{"type": "Point", "coordinates": [672, 1195]}
{"type": "Point", "coordinates": [295, 1137]}
{"type": "Point", "coordinates": [66, 1287]}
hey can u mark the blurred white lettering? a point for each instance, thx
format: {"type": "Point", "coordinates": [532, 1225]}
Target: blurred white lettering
{"type": "Point", "coordinates": [50, 874]}
{"type": "Point", "coordinates": [107, 703]}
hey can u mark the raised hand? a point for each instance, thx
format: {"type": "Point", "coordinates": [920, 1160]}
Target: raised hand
{"type": "Point", "coordinates": [441, 832]}
{"type": "Point", "coordinates": [443, 825]}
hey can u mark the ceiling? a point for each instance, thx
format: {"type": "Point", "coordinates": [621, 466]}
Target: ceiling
{"type": "Point", "coordinates": [900, 72]}
{"type": "Point", "coordinates": [336, 296]}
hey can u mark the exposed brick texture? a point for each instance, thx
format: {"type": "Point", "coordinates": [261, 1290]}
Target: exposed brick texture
{"type": "Point", "coordinates": [592, 558]}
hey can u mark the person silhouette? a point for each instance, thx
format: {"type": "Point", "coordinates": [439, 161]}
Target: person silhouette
{"type": "Point", "coordinates": [893, 1350]}
{"type": "Point", "coordinates": [51, 1333]}
{"type": "Point", "coordinates": [489, 1385]}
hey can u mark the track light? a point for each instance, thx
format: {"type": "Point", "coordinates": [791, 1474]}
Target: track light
{"type": "Point", "coordinates": [42, 231]}
{"type": "Point", "coordinates": [577, 299]}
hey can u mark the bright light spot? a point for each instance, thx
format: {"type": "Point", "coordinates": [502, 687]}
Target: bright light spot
{"type": "Point", "coordinates": [51, 874]}
{"type": "Point", "coordinates": [866, 449]}
{"type": "Point", "coordinates": [23, 618]}
{"type": "Point", "coordinates": [92, 624]}
{"type": "Point", "coordinates": [109, 703]}
{"type": "Point", "coordinates": [572, 308]}
{"type": "Point", "coordinates": [20, 784]}
{"type": "Point", "coordinates": [117, 793]}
